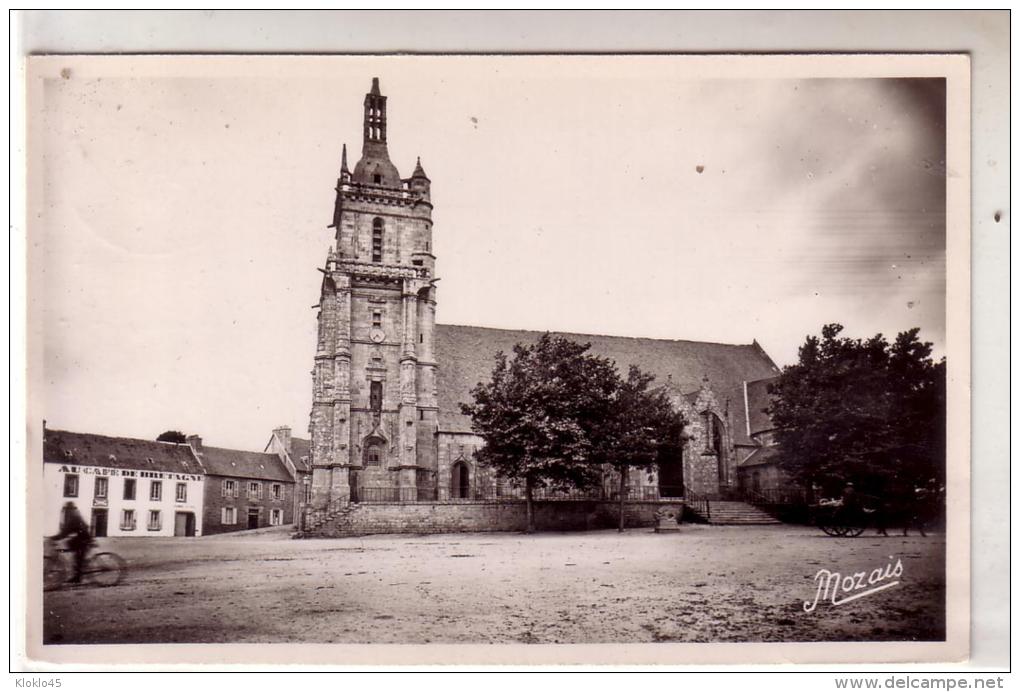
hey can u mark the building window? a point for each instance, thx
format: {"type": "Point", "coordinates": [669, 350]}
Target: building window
{"type": "Point", "coordinates": [377, 240]}
{"type": "Point", "coordinates": [127, 520]}
{"type": "Point", "coordinates": [377, 319]}
{"type": "Point", "coordinates": [71, 485]}
{"type": "Point", "coordinates": [229, 515]}
{"type": "Point", "coordinates": [155, 490]}
{"type": "Point", "coordinates": [277, 490]}
{"type": "Point", "coordinates": [377, 178]}
{"type": "Point", "coordinates": [307, 497]}
{"type": "Point", "coordinates": [182, 492]}
{"type": "Point", "coordinates": [129, 488]}
{"type": "Point", "coordinates": [155, 520]}
{"type": "Point", "coordinates": [375, 396]}
{"type": "Point", "coordinates": [373, 455]}
{"type": "Point", "coordinates": [255, 491]}
{"type": "Point", "coordinates": [102, 488]}
{"type": "Point", "coordinates": [229, 488]}
{"type": "Point", "coordinates": [275, 517]}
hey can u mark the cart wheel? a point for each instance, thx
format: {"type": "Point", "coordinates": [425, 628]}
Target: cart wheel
{"type": "Point", "coordinates": [54, 573]}
{"type": "Point", "coordinates": [105, 569]}
{"type": "Point", "coordinates": [829, 530]}
{"type": "Point", "coordinates": [854, 531]}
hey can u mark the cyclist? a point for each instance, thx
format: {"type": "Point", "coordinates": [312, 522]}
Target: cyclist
{"type": "Point", "coordinates": [79, 538]}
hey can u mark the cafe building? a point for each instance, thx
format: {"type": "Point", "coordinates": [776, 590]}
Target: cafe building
{"type": "Point", "coordinates": [122, 486]}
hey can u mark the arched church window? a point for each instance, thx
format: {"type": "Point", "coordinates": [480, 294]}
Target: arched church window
{"type": "Point", "coordinates": [717, 445]}
{"type": "Point", "coordinates": [716, 439]}
{"type": "Point", "coordinates": [374, 452]}
{"type": "Point", "coordinates": [377, 239]}
{"type": "Point", "coordinates": [375, 396]}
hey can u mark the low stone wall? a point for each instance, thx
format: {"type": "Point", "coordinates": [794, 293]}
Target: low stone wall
{"type": "Point", "coordinates": [488, 515]}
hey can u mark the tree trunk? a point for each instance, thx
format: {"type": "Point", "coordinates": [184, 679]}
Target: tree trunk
{"type": "Point", "coordinates": [623, 494]}
{"type": "Point", "coordinates": [529, 509]}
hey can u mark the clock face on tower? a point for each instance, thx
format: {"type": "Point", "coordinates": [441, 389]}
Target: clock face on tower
{"type": "Point", "coordinates": [376, 335]}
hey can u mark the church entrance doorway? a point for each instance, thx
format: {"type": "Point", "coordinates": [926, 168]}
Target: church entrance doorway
{"type": "Point", "coordinates": [460, 481]}
{"type": "Point", "coordinates": [671, 478]}
{"type": "Point", "coordinates": [671, 467]}
{"type": "Point", "coordinates": [354, 479]}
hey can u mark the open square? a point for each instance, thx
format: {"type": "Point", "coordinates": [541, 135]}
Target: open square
{"type": "Point", "coordinates": [703, 584]}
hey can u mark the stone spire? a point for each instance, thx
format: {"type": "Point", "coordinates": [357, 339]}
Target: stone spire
{"type": "Point", "coordinates": [375, 167]}
{"type": "Point", "coordinates": [343, 160]}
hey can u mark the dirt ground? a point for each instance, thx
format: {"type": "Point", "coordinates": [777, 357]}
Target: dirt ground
{"type": "Point", "coordinates": [704, 584]}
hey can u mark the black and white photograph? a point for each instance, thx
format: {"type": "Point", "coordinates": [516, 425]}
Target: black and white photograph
{"type": "Point", "coordinates": [515, 351]}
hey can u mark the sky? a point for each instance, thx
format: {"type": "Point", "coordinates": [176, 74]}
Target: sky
{"type": "Point", "coordinates": [181, 212]}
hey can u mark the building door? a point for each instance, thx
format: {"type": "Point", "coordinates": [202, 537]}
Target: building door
{"type": "Point", "coordinates": [99, 523]}
{"type": "Point", "coordinates": [460, 481]}
{"type": "Point", "coordinates": [354, 479]}
{"type": "Point", "coordinates": [670, 466]}
{"type": "Point", "coordinates": [253, 518]}
{"type": "Point", "coordinates": [184, 524]}
{"type": "Point", "coordinates": [671, 477]}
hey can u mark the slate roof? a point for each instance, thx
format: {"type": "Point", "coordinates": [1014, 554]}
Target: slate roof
{"type": "Point", "coordinates": [301, 454]}
{"type": "Point", "coordinates": [758, 399]}
{"type": "Point", "coordinates": [86, 449]}
{"type": "Point", "coordinates": [762, 455]}
{"type": "Point", "coordinates": [466, 357]}
{"type": "Point", "coordinates": [218, 461]}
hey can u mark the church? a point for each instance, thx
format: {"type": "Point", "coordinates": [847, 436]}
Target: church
{"type": "Point", "coordinates": [388, 380]}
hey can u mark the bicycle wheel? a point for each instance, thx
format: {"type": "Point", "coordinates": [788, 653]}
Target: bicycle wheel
{"type": "Point", "coordinates": [105, 569]}
{"type": "Point", "coordinates": [54, 573]}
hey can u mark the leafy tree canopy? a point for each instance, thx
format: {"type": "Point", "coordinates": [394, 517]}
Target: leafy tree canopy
{"type": "Point", "coordinates": [554, 414]}
{"type": "Point", "coordinates": [640, 423]}
{"type": "Point", "coordinates": [536, 411]}
{"type": "Point", "coordinates": [862, 411]}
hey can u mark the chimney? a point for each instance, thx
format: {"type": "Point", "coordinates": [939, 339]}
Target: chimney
{"type": "Point", "coordinates": [283, 434]}
{"type": "Point", "coordinates": [196, 443]}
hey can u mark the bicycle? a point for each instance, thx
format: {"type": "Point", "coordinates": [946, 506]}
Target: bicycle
{"type": "Point", "coordinates": [101, 569]}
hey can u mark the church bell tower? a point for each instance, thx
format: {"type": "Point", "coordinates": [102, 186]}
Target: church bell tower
{"type": "Point", "coordinates": [374, 408]}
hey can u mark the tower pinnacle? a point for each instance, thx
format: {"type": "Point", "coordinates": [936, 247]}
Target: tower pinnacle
{"type": "Point", "coordinates": [419, 172]}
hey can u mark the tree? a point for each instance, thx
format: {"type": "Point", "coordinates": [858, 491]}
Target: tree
{"type": "Point", "coordinates": [641, 431]}
{"type": "Point", "coordinates": [175, 436]}
{"type": "Point", "coordinates": [536, 414]}
{"type": "Point", "coordinates": [862, 411]}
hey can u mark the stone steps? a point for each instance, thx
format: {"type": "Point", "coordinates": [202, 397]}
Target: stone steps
{"type": "Point", "coordinates": [731, 512]}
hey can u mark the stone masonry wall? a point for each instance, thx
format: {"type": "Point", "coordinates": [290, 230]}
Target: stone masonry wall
{"type": "Point", "coordinates": [503, 515]}
{"type": "Point", "coordinates": [212, 513]}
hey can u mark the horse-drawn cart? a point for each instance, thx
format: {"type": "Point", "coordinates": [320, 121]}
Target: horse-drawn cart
{"type": "Point", "coordinates": [835, 519]}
